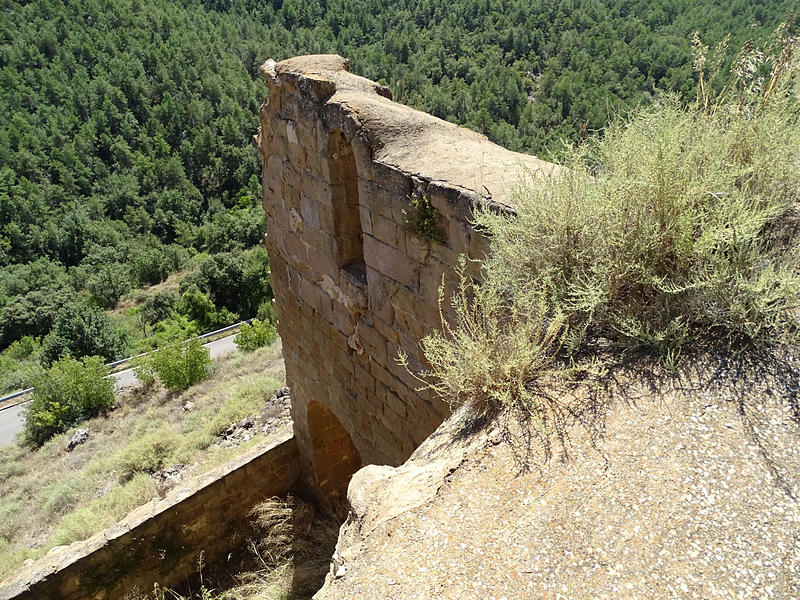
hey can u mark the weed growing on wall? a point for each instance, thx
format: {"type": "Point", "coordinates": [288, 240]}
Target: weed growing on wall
{"type": "Point", "coordinates": [679, 228]}
{"type": "Point", "coordinates": [422, 220]}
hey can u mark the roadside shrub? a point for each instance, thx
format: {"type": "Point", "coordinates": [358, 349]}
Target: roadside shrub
{"type": "Point", "coordinates": [255, 335]}
{"type": "Point", "coordinates": [180, 366]}
{"type": "Point", "coordinates": [144, 371]}
{"type": "Point", "coordinates": [266, 312]}
{"type": "Point", "coordinates": [198, 307]}
{"type": "Point", "coordinates": [19, 364]}
{"type": "Point", "coordinates": [146, 454]}
{"type": "Point", "coordinates": [177, 328]}
{"type": "Point", "coordinates": [71, 391]}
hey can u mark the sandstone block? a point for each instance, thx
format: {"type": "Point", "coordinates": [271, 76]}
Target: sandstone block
{"type": "Point", "coordinates": [386, 231]}
{"type": "Point", "coordinates": [391, 262]}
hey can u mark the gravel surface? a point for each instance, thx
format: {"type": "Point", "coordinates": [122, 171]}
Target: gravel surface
{"type": "Point", "coordinates": [691, 493]}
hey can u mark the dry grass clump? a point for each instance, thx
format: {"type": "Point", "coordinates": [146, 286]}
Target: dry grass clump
{"type": "Point", "coordinates": [291, 548]}
{"type": "Point", "coordinates": [679, 228]}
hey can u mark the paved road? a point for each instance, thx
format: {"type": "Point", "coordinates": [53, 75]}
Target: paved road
{"type": "Point", "coordinates": [13, 418]}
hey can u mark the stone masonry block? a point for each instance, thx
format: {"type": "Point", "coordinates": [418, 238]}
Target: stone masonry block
{"type": "Point", "coordinates": [386, 231]}
{"type": "Point", "coordinates": [391, 262]}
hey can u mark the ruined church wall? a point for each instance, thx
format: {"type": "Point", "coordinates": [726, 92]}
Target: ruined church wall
{"type": "Point", "coordinates": [342, 332]}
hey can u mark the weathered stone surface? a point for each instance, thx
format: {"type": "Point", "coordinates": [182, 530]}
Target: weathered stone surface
{"type": "Point", "coordinates": [353, 286]}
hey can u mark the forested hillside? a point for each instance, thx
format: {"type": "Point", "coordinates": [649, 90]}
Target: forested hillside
{"type": "Point", "coordinates": [527, 73]}
{"type": "Point", "coordinates": [125, 155]}
{"type": "Point", "coordinates": [125, 130]}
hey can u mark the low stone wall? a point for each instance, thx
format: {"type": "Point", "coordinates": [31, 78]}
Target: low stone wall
{"type": "Point", "coordinates": [161, 541]}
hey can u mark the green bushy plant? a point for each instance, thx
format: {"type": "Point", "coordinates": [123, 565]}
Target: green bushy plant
{"type": "Point", "coordinates": [198, 307]}
{"type": "Point", "coordinates": [266, 312]}
{"type": "Point", "coordinates": [158, 307]}
{"type": "Point", "coordinates": [108, 283]}
{"type": "Point", "coordinates": [683, 229]}
{"type": "Point", "coordinates": [493, 348]}
{"type": "Point", "coordinates": [255, 335]}
{"type": "Point", "coordinates": [69, 392]}
{"type": "Point", "coordinates": [678, 228]}
{"type": "Point", "coordinates": [81, 330]}
{"type": "Point", "coordinates": [179, 366]}
{"type": "Point", "coordinates": [19, 364]}
{"type": "Point", "coordinates": [422, 219]}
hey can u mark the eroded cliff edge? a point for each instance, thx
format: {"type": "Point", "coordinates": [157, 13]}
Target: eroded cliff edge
{"type": "Point", "coordinates": [691, 492]}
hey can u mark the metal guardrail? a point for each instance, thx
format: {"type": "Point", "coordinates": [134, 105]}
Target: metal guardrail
{"type": "Point", "coordinates": [116, 363]}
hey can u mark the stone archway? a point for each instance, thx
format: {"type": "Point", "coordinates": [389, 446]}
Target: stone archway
{"type": "Point", "coordinates": [334, 455]}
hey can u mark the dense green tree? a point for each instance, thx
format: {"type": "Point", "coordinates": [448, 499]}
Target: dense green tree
{"type": "Point", "coordinates": [108, 283]}
{"type": "Point", "coordinates": [158, 307]}
{"type": "Point", "coordinates": [80, 330]}
{"type": "Point", "coordinates": [198, 307]}
{"type": "Point", "coordinates": [237, 281]}
{"type": "Point", "coordinates": [30, 297]}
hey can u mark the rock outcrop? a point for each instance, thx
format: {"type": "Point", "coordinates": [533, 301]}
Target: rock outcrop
{"type": "Point", "coordinates": [691, 493]}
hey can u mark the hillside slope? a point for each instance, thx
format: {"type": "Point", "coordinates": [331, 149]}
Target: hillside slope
{"type": "Point", "coordinates": [690, 492]}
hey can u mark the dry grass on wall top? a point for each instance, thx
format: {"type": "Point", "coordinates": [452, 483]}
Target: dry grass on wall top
{"type": "Point", "coordinates": [289, 554]}
{"type": "Point", "coordinates": [677, 230]}
{"type": "Point", "coordinates": [51, 497]}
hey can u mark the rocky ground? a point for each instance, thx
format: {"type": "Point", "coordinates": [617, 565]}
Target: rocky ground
{"type": "Point", "coordinates": [683, 489]}
{"type": "Point", "coordinates": [274, 416]}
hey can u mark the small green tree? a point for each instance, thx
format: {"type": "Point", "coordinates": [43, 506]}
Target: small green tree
{"type": "Point", "coordinates": [158, 307]}
{"type": "Point", "coordinates": [198, 307]}
{"type": "Point", "coordinates": [81, 330]}
{"type": "Point", "coordinates": [69, 392]}
{"type": "Point", "coordinates": [180, 366]}
{"type": "Point", "coordinates": [108, 283]}
{"type": "Point", "coordinates": [250, 337]}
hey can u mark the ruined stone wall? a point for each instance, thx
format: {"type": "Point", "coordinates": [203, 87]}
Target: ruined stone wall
{"type": "Point", "coordinates": [162, 540]}
{"type": "Point", "coordinates": [353, 286]}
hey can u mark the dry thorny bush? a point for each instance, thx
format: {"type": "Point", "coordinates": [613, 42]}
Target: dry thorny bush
{"type": "Point", "coordinates": [677, 229]}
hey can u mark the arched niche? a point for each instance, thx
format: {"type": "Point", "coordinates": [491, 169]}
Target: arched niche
{"type": "Point", "coordinates": [343, 175]}
{"type": "Point", "coordinates": [334, 455]}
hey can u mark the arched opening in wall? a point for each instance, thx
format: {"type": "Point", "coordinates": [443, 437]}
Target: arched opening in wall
{"type": "Point", "coordinates": [335, 456]}
{"type": "Point", "coordinates": [346, 215]}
